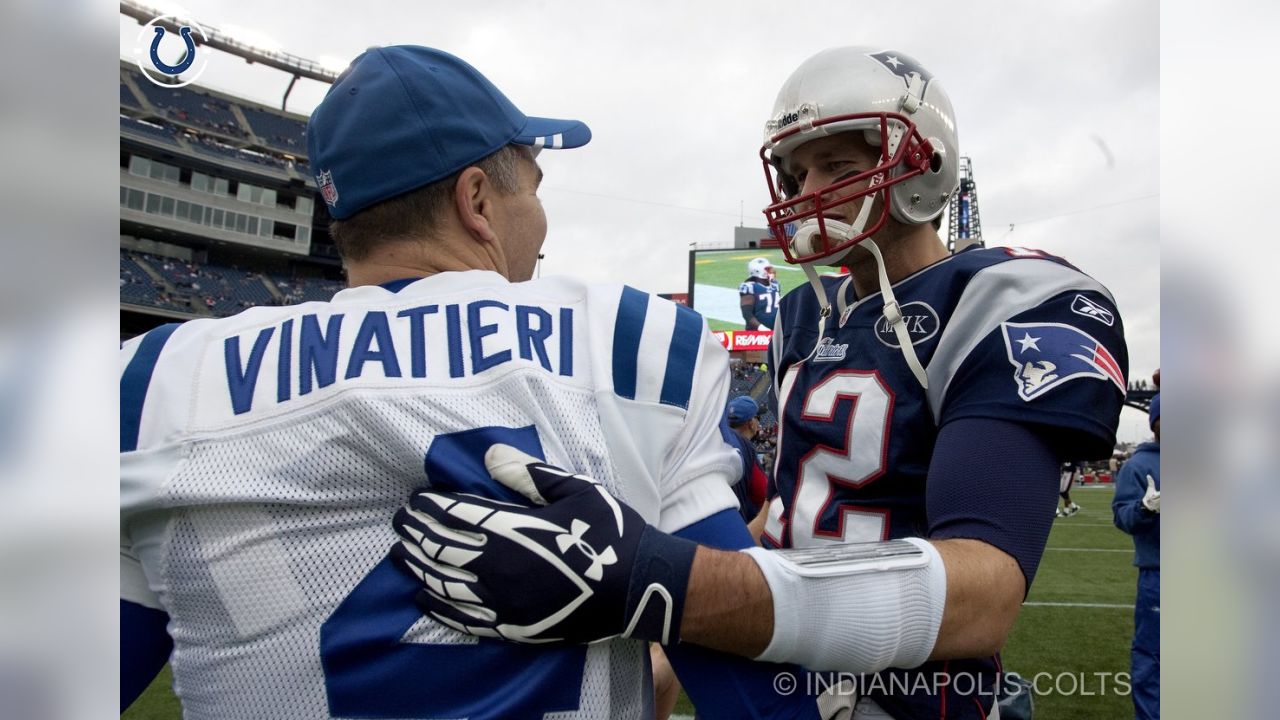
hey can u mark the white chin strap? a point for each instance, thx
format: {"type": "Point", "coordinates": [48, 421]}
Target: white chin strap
{"type": "Point", "coordinates": [803, 243]}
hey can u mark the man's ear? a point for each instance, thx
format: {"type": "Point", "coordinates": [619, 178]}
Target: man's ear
{"type": "Point", "coordinates": [473, 199]}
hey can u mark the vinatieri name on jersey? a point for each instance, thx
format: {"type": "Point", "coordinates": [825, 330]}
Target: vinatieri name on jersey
{"type": "Point", "coordinates": [263, 456]}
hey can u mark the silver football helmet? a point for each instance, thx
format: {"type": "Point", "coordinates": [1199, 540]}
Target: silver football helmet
{"type": "Point", "coordinates": [760, 268]}
{"type": "Point", "coordinates": [898, 105]}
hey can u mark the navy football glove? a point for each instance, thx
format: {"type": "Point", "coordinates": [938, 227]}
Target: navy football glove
{"type": "Point", "coordinates": [578, 566]}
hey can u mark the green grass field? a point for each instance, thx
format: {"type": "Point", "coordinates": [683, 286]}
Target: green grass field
{"type": "Point", "coordinates": [1088, 563]}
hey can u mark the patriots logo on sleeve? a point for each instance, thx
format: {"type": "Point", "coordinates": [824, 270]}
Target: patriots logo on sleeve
{"type": "Point", "coordinates": [1046, 355]}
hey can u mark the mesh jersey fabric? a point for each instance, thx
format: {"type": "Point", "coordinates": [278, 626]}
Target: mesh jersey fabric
{"type": "Point", "coordinates": [259, 514]}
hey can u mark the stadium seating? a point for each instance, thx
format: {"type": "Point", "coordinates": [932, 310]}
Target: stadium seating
{"type": "Point", "coordinates": [127, 98]}
{"type": "Point", "coordinates": [165, 133]}
{"type": "Point", "coordinates": [209, 146]}
{"type": "Point", "coordinates": [277, 131]}
{"type": "Point", "coordinates": [191, 107]}
{"type": "Point", "coordinates": [137, 288]}
{"type": "Point", "coordinates": [222, 289]}
{"type": "Point", "coordinates": [186, 105]}
{"type": "Point", "coordinates": [302, 289]}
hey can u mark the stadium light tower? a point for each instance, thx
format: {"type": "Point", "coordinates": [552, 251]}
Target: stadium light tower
{"type": "Point", "coordinates": [965, 226]}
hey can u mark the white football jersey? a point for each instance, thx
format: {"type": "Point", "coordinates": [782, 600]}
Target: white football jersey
{"type": "Point", "coordinates": [263, 456]}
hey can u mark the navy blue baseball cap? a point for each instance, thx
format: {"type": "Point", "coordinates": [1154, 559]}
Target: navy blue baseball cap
{"type": "Point", "coordinates": [1153, 414]}
{"type": "Point", "coordinates": [405, 116]}
{"type": "Point", "coordinates": [742, 409]}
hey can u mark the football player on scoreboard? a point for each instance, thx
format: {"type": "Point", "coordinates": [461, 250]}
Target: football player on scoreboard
{"type": "Point", "coordinates": [758, 295]}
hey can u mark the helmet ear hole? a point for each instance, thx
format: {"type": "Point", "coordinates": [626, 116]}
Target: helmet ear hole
{"type": "Point", "coordinates": [935, 162]}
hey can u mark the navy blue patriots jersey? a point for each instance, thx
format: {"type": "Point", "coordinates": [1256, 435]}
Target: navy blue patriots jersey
{"type": "Point", "coordinates": [1003, 333]}
{"type": "Point", "coordinates": [765, 307]}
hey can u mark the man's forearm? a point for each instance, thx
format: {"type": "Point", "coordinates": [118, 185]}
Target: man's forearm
{"type": "Point", "coordinates": [984, 593]}
{"type": "Point", "coordinates": [728, 606]}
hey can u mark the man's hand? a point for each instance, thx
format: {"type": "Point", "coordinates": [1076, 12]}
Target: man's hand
{"type": "Point", "coordinates": [1151, 500]}
{"type": "Point", "coordinates": [578, 566]}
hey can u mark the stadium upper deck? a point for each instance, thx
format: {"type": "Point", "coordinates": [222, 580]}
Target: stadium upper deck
{"type": "Point", "coordinates": [217, 206]}
{"type": "Point", "coordinates": [197, 121]}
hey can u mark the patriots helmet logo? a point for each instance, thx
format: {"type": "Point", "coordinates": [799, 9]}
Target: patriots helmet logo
{"type": "Point", "coordinates": [1046, 355]}
{"type": "Point", "coordinates": [902, 66]}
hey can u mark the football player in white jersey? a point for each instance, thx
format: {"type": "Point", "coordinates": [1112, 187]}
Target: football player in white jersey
{"type": "Point", "coordinates": [264, 455]}
{"type": "Point", "coordinates": [925, 403]}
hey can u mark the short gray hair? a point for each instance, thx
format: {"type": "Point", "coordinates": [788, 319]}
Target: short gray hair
{"type": "Point", "coordinates": [417, 213]}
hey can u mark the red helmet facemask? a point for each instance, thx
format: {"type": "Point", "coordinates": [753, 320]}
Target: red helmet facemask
{"type": "Point", "coordinates": [911, 158]}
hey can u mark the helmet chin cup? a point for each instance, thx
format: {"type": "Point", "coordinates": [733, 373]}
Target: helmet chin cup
{"type": "Point", "coordinates": [809, 241]}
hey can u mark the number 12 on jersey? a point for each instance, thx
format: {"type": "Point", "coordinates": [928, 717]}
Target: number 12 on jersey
{"type": "Point", "coordinates": [824, 471]}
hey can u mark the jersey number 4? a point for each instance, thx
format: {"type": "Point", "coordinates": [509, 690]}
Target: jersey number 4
{"type": "Point", "coordinates": [825, 471]}
{"type": "Point", "coordinates": [370, 673]}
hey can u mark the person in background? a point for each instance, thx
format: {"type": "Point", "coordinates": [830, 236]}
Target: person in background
{"type": "Point", "coordinates": [758, 295]}
{"type": "Point", "coordinates": [1072, 472]}
{"type": "Point", "coordinates": [744, 424]}
{"type": "Point", "coordinates": [1136, 508]}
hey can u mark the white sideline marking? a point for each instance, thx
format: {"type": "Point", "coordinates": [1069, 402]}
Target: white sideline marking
{"type": "Point", "coordinates": [1078, 605]}
{"type": "Point", "coordinates": [1078, 524]}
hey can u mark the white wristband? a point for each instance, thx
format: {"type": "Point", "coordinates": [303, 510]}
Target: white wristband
{"type": "Point", "coordinates": [856, 607]}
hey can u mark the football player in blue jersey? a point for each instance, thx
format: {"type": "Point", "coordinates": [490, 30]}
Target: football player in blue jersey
{"type": "Point", "coordinates": [926, 402]}
{"type": "Point", "coordinates": [758, 295]}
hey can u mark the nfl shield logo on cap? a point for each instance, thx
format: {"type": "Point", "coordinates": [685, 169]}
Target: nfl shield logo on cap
{"type": "Point", "coordinates": [327, 189]}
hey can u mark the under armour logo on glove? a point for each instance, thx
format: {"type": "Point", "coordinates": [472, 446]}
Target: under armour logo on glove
{"type": "Point", "coordinates": [573, 539]}
{"type": "Point", "coordinates": [576, 566]}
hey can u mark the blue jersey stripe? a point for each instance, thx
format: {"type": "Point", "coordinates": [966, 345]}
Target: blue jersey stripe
{"type": "Point", "coordinates": [677, 383]}
{"type": "Point", "coordinates": [626, 340]}
{"type": "Point", "coordinates": [396, 286]}
{"type": "Point", "coordinates": [134, 383]}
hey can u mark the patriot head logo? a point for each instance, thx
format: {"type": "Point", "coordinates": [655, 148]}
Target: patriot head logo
{"type": "Point", "coordinates": [1046, 355]}
{"type": "Point", "coordinates": [902, 66]}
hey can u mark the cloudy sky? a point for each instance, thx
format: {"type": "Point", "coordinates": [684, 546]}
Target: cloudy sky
{"type": "Point", "coordinates": [1057, 105]}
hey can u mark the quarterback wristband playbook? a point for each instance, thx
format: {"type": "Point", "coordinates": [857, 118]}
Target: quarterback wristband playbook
{"type": "Point", "coordinates": [854, 607]}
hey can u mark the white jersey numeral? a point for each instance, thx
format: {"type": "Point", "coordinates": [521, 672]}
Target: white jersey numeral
{"type": "Point", "coordinates": [824, 470]}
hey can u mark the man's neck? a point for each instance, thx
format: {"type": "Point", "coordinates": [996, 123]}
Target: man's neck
{"type": "Point", "coordinates": [903, 256]}
{"type": "Point", "coordinates": [413, 260]}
